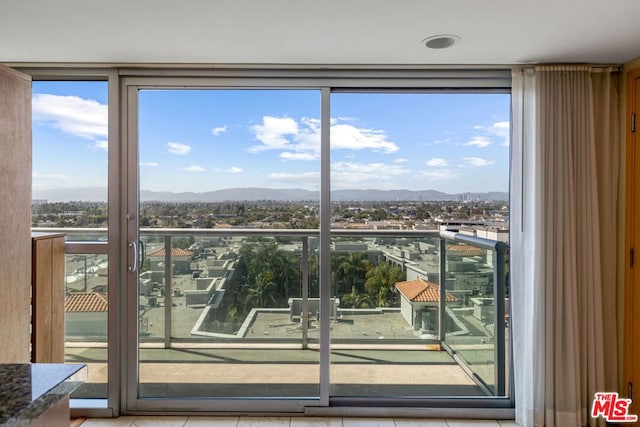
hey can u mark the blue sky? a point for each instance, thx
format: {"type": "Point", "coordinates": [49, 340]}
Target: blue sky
{"type": "Point", "coordinates": [202, 140]}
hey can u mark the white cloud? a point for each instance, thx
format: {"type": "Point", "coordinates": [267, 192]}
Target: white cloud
{"type": "Point", "coordinates": [149, 164]}
{"type": "Point", "coordinates": [234, 169]}
{"type": "Point", "coordinates": [502, 130]}
{"type": "Point", "coordinates": [501, 127]}
{"type": "Point", "coordinates": [400, 161]}
{"type": "Point", "coordinates": [313, 123]}
{"type": "Point", "coordinates": [439, 174]}
{"type": "Point", "coordinates": [85, 118]}
{"type": "Point", "coordinates": [498, 129]}
{"type": "Point", "coordinates": [437, 162]}
{"type": "Point", "coordinates": [178, 148]}
{"type": "Point", "coordinates": [298, 156]}
{"type": "Point", "coordinates": [219, 130]}
{"type": "Point", "coordinates": [303, 136]}
{"type": "Point", "coordinates": [102, 144]}
{"type": "Point", "coordinates": [479, 141]}
{"type": "Point", "coordinates": [273, 132]}
{"type": "Point", "coordinates": [194, 168]}
{"type": "Point", "coordinates": [477, 161]}
{"type": "Point", "coordinates": [377, 175]}
{"type": "Point", "coordinates": [348, 137]}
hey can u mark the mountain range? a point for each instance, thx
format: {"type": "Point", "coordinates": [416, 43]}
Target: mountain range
{"type": "Point", "coordinates": [99, 194]}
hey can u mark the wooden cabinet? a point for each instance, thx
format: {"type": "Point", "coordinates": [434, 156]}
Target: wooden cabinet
{"type": "Point", "coordinates": [47, 299]}
{"type": "Point", "coordinates": [15, 215]}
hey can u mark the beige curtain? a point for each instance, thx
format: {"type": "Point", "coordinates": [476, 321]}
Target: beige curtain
{"type": "Point", "coordinates": [567, 143]}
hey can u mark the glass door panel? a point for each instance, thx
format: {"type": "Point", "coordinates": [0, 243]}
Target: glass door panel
{"type": "Point", "coordinates": [69, 190]}
{"type": "Point", "coordinates": [403, 168]}
{"type": "Point", "coordinates": [228, 216]}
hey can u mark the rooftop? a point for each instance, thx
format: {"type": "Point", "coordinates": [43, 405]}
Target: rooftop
{"type": "Point", "coordinates": [174, 252]}
{"type": "Point", "coordinates": [465, 250]}
{"type": "Point", "coordinates": [83, 302]}
{"type": "Point", "coordinates": [420, 290]}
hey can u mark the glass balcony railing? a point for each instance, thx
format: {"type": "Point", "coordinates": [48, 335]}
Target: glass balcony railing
{"type": "Point", "coordinates": [398, 293]}
{"type": "Point", "coordinates": [475, 304]}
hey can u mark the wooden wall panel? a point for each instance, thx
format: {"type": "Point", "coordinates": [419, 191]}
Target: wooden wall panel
{"type": "Point", "coordinates": [15, 216]}
{"type": "Point", "coordinates": [58, 280]}
{"type": "Point", "coordinates": [47, 308]}
{"type": "Point", "coordinates": [41, 300]}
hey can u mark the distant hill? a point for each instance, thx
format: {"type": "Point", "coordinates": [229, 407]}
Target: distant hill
{"type": "Point", "coordinates": [392, 195]}
{"type": "Point", "coordinates": [298, 195]}
{"type": "Point", "coordinates": [99, 194]}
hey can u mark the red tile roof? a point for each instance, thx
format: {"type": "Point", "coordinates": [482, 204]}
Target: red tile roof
{"type": "Point", "coordinates": [420, 290]}
{"type": "Point", "coordinates": [82, 302]}
{"type": "Point", "coordinates": [174, 252]}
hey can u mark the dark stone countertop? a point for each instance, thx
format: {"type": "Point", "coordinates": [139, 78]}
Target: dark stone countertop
{"type": "Point", "coordinates": [29, 390]}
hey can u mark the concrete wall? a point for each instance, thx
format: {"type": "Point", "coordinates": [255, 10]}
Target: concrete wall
{"type": "Point", "coordinates": [86, 326]}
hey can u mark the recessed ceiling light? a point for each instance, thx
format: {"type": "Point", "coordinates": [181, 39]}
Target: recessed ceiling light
{"type": "Point", "coordinates": [441, 41]}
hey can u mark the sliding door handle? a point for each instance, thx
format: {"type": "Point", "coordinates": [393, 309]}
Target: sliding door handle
{"type": "Point", "coordinates": [133, 267]}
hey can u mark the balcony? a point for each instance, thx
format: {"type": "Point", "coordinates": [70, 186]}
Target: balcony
{"type": "Point", "coordinates": [237, 313]}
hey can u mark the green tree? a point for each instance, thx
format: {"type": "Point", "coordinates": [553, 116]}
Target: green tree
{"type": "Point", "coordinates": [357, 300]}
{"type": "Point", "coordinates": [380, 283]}
{"type": "Point", "coordinates": [183, 242]}
{"type": "Point", "coordinates": [263, 292]}
{"type": "Point", "coordinates": [272, 275]}
{"type": "Point", "coordinates": [354, 268]}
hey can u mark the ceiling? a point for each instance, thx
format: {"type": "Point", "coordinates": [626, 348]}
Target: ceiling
{"type": "Point", "coordinates": [371, 32]}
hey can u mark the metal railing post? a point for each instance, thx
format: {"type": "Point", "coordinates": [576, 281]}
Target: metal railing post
{"type": "Point", "coordinates": [499, 339]}
{"type": "Point", "coordinates": [305, 292]}
{"type": "Point", "coordinates": [442, 298]}
{"type": "Point", "coordinates": [168, 301]}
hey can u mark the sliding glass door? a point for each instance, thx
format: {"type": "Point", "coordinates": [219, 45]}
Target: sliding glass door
{"type": "Point", "coordinates": [421, 163]}
{"type": "Point", "coordinates": [226, 307]}
{"type": "Point", "coordinates": [290, 244]}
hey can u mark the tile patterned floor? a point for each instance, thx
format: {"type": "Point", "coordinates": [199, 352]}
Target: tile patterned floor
{"type": "Point", "coordinates": [184, 421]}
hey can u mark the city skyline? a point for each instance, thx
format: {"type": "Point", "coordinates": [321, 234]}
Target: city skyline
{"type": "Point", "coordinates": [207, 140]}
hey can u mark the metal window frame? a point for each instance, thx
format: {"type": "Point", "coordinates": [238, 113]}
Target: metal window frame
{"type": "Point", "coordinates": [110, 406]}
{"type": "Point", "coordinates": [123, 85]}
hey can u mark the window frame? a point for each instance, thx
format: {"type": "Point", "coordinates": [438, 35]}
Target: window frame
{"type": "Point", "coordinates": [123, 82]}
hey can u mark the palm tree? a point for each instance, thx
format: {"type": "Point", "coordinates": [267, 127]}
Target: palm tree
{"type": "Point", "coordinates": [263, 292]}
{"type": "Point", "coordinates": [354, 266]}
{"type": "Point", "coordinates": [272, 275]}
{"type": "Point", "coordinates": [350, 269]}
{"type": "Point", "coordinates": [380, 283]}
{"type": "Point", "coordinates": [314, 275]}
{"type": "Point", "coordinates": [357, 300]}
{"type": "Point", "coordinates": [336, 272]}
